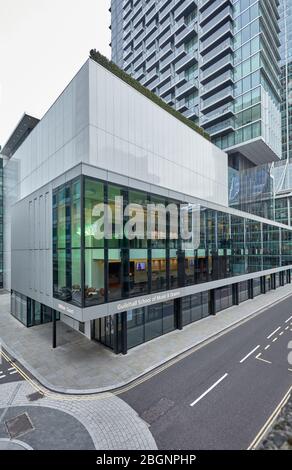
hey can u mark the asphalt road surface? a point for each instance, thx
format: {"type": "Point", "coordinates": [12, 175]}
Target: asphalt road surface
{"type": "Point", "coordinates": [8, 373]}
{"type": "Point", "coordinates": [221, 395]}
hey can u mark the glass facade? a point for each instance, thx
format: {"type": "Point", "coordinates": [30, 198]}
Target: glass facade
{"type": "Point", "coordinates": [147, 323]}
{"type": "Point", "coordinates": [89, 271]}
{"type": "Point", "coordinates": [285, 24]}
{"type": "Point", "coordinates": [30, 312]}
{"type": "Point", "coordinates": [195, 307]}
{"type": "Point", "coordinates": [1, 223]}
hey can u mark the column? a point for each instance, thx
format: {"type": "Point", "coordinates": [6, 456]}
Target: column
{"type": "Point", "coordinates": [250, 289]}
{"type": "Point", "coordinates": [178, 313]}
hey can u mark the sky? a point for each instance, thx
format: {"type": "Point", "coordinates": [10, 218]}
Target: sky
{"type": "Point", "coordinates": [43, 43]}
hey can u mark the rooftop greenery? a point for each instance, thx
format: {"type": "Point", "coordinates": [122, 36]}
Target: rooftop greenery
{"type": "Point", "coordinates": [112, 67]}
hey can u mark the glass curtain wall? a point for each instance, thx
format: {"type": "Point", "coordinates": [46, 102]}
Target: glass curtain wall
{"type": "Point", "coordinates": [30, 312]}
{"type": "Point", "coordinates": [67, 242]}
{"type": "Point", "coordinates": [107, 270]}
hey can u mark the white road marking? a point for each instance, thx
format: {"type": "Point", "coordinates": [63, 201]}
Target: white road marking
{"type": "Point", "coordinates": [267, 347]}
{"type": "Point", "coordinates": [272, 334]}
{"type": "Point", "coordinates": [275, 339]}
{"type": "Point", "coordinates": [288, 319]}
{"type": "Point", "coordinates": [2, 376]}
{"type": "Point", "coordinates": [13, 372]}
{"type": "Point", "coordinates": [290, 370]}
{"type": "Point", "coordinates": [261, 359]}
{"type": "Point", "coordinates": [209, 390]}
{"type": "Point", "coordinates": [287, 328]}
{"type": "Point", "coordinates": [249, 354]}
{"type": "Point", "coordinates": [281, 333]}
{"type": "Point", "coordinates": [11, 368]}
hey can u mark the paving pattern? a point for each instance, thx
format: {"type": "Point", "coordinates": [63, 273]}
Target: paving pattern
{"type": "Point", "coordinates": [102, 422]}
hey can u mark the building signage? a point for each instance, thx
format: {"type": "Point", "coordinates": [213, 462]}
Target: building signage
{"type": "Point", "coordinates": [150, 299]}
{"type": "Point", "coordinates": [62, 308]}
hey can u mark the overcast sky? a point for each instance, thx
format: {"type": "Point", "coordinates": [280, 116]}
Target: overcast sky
{"type": "Point", "coordinates": [43, 43]}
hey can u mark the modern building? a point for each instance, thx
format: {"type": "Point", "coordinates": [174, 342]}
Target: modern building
{"type": "Point", "coordinates": [215, 61]}
{"type": "Point", "coordinates": [286, 76]}
{"type": "Point", "coordinates": [104, 141]}
{"type": "Point", "coordinates": [22, 130]}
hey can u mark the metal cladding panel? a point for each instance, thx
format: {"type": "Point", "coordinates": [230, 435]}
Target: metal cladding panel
{"type": "Point", "coordinates": [132, 136]}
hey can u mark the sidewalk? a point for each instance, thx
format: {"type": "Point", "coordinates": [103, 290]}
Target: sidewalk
{"type": "Point", "coordinates": [82, 366]}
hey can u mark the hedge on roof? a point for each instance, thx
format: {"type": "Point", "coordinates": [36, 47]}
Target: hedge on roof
{"type": "Point", "coordinates": [112, 67]}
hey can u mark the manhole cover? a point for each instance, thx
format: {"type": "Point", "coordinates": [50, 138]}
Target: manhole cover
{"type": "Point", "coordinates": [19, 425]}
{"type": "Point", "coordinates": [157, 410]}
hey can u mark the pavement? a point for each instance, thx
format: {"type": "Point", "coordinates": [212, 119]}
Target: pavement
{"type": "Point", "coordinates": [80, 366]}
{"type": "Point", "coordinates": [33, 418]}
{"type": "Point", "coordinates": [221, 395]}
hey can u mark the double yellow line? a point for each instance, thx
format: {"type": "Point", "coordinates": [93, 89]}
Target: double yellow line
{"type": "Point", "coordinates": [259, 437]}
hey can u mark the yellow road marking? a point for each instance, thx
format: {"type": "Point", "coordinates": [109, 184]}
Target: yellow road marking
{"type": "Point", "coordinates": [270, 421]}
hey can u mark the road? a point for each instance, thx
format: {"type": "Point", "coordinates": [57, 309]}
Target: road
{"type": "Point", "coordinates": [221, 395]}
{"type": "Point", "coordinates": [8, 373]}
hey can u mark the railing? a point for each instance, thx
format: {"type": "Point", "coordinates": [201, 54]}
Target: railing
{"type": "Point", "coordinates": [217, 81]}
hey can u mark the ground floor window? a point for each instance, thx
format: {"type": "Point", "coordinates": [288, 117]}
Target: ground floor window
{"type": "Point", "coordinates": [147, 323]}
{"type": "Point", "coordinates": [223, 298]}
{"type": "Point", "coordinates": [104, 331]}
{"type": "Point", "coordinates": [257, 287]}
{"type": "Point", "coordinates": [195, 307]}
{"type": "Point", "coordinates": [29, 311]}
{"type": "Point", "coordinates": [243, 293]}
{"type": "Point", "coordinates": [268, 281]}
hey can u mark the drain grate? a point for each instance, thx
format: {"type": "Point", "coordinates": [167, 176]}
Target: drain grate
{"type": "Point", "coordinates": [35, 396]}
{"type": "Point", "coordinates": [157, 410]}
{"type": "Point", "coordinates": [19, 425]}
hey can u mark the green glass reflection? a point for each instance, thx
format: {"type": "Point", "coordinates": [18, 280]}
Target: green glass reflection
{"type": "Point", "coordinates": [94, 195]}
{"type": "Point", "coordinates": [61, 218]}
{"type": "Point", "coordinates": [75, 215]}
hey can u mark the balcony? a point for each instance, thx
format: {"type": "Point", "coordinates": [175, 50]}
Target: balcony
{"type": "Point", "coordinates": [127, 54]}
{"type": "Point", "coordinates": [151, 62]}
{"type": "Point", "coordinates": [221, 128]}
{"type": "Point", "coordinates": [217, 37]}
{"type": "Point", "coordinates": [188, 87]}
{"type": "Point", "coordinates": [211, 10]}
{"type": "Point", "coordinates": [217, 100]}
{"type": "Point", "coordinates": [192, 113]}
{"type": "Point", "coordinates": [215, 23]}
{"type": "Point", "coordinates": [218, 82]}
{"type": "Point", "coordinates": [217, 51]}
{"type": "Point", "coordinates": [138, 63]}
{"type": "Point", "coordinates": [188, 32]}
{"type": "Point", "coordinates": [217, 68]}
{"type": "Point", "coordinates": [187, 5]}
{"type": "Point", "coordinates": [150, 77]}
{"type": "Point", "coordinates": [180, 79]}
{"type": "Point", "coordinates": [215, 116]}
{"type": "Point", "coordinates": [181, 106]}
{"type": "Point", "coordinates": [169, 99]}
{"type": "Point", "coordinates": [165, 89]}
{"type": "Point", "coordinates": [153, 85]}
{"type": "Point", "coordinates": [189, 59]}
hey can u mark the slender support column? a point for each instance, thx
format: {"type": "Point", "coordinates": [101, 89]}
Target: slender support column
{"type": "Point", "coordinates": [263, 285]}
{"type": "Point", "coordinates": [250, 289]}
{"type": "Point", "coordinates": [178, 313]}
{"type": "Point", "coordinates": [212, 305]}
{"type": "Point", "coordinates": [274, 281]}
{"type": "Point", "coordinates": [54, 329]}
{"type": "Point", "coordinates": [235, 294]}
{"type": "Point", "coordinates": [124, 334]}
